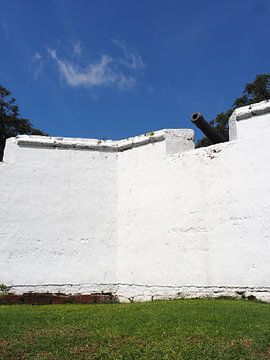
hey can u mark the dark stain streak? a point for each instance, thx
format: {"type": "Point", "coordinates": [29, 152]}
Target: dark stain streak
{"type": "Point", "coordinates": [58, 298]}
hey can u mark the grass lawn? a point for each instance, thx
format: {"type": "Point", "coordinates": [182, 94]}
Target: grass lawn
{"type": "Point", "coordinates": [182, 329]}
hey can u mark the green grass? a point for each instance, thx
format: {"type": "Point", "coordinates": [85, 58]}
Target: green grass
{"type": "Point", "coordinates": [183, 329]}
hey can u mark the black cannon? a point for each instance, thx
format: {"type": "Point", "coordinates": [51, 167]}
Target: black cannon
{"type": "Point", "coordinates": [207, 129]}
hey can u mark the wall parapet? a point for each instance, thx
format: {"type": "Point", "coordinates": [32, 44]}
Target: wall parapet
{"type": "Point", "coordinates": [246, 112]}
{"type": "Point", "coordinates": [104, 145]}
{"type": "Point", "coordinates": [239, 128]}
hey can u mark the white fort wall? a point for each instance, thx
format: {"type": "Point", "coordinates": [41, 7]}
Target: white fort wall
{"type": "Point", "coordinates": [58, 217]}
{"type": "Point", "coordinates": [146, 218]}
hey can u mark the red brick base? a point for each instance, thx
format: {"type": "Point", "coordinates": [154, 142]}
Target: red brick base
{"type": "Point", "coordinates": [48, 298]}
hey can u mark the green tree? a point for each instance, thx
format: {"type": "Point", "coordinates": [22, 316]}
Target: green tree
{"type": "Point", "coordinates": [11, 124]}
{"type": "Point", "coordinates": [254, 92]}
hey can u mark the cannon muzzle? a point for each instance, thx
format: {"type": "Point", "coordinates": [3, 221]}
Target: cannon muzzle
{"type": "Point", "coordinates": [207, 129]}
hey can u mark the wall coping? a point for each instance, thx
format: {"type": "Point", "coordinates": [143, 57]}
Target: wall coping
{"type": "Point", "coordinates": [246, 112]}
{"type": "Point", "coordinates": [37, 141]}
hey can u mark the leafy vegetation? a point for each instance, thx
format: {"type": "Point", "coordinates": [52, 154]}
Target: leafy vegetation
{"type": "Point", "coordinates": [254, 92]}
{"type": "Point", "coordinates": [183, 329]}
{"type": "Point", "coordinates": [11, 124]}
{"type": "Point", "coordinates": [3, 288]}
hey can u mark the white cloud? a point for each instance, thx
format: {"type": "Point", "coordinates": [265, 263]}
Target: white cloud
{"type": "Point", "coordinates": [131, 58]}
{"type": "Point", "coordinates": [38, 61]}
{"type": "Point", "coordinates": [105, 72]}
{"type": "Point", "coordinates": [77, 48]}
{"type": "Point", "coordinates": [37, 56]}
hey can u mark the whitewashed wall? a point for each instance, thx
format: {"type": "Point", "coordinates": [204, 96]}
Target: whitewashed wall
{"type": "Point", "coordinates": [58, 218]}
{"type": "Point", "coordinates": [145, 218]}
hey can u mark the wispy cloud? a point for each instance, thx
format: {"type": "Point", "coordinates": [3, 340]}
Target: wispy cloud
{"type": "Point", "coordinates": [77, 48]}
{"type": "Point", "coordinates": [37, 56]}
{"type": "Point", "coordinates": [38, 61]}
{"type": "Point", "coordinates": [107, 71]}
{"type": "Point", "coordinates": [131, 58]}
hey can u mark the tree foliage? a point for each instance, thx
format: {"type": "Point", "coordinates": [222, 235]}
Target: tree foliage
{"type": "Point", "coordinates": [11, 124]}
{"type": "Point", "coordinates": [254, 92]}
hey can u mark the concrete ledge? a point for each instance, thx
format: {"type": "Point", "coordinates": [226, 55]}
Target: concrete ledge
{"type": "Point", "coordinates": [237, 127]}
{"type": "Point", "coordinates": [185, 135]}
{"type": "Point", "coordinates": [128, 293]}
{"type": "Point", "coordinates": [140, 293]}
{"type": "Point", "coordinates": [249, 111]}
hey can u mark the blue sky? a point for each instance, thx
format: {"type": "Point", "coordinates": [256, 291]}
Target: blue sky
{"type": "Point", "coordinates": [118, 68]}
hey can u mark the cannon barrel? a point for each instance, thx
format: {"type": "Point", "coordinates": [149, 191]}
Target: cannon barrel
{"type": "Point", "coordinates": [207, 129]}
